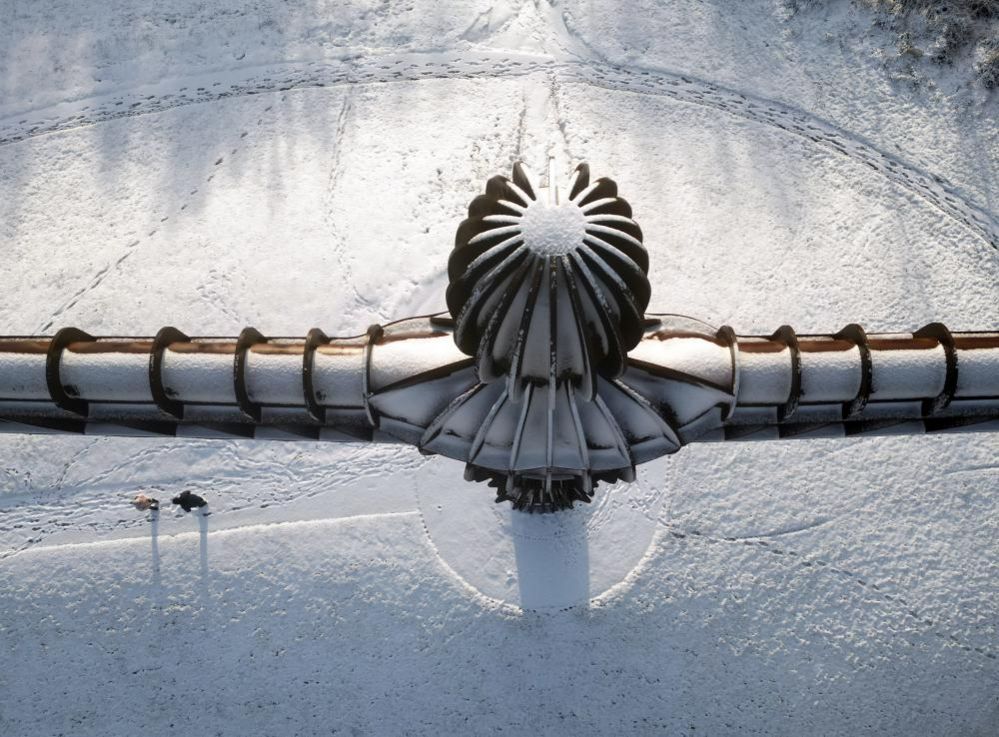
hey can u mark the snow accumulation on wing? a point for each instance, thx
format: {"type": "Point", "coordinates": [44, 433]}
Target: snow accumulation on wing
{"type": "Point", "coordinates": [306, 165]}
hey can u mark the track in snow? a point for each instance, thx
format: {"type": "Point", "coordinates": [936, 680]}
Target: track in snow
{"type": "Point", "coordinates": [933, 189]}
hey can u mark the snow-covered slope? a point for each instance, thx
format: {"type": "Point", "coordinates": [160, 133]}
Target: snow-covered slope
{"type": "Point", "coordinates": [293, 166]}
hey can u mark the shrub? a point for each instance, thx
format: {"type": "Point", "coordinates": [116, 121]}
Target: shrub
{"type": "Point", "coordinates": [962, 33]}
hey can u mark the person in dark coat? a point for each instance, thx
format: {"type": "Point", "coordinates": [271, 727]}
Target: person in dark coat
{"type": "Point", "coordinates": [188, 501]}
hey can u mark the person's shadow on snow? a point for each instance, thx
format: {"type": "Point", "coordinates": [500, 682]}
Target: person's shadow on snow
{"type": "Point", "coordinates": [191, 502]}
{"type": "Point", "coordinates": [202, 515]}
{"type": "Point", "coordinates": [154, 544]}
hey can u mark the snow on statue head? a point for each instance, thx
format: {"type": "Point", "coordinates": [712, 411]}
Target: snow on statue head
{"type": "Point", "coordinates": [549, 297]}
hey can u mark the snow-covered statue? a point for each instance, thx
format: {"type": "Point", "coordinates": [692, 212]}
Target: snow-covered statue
{"type": "Point", "coordinates": [549, 295]}
{"type": "Point", "coordinates": [545, 378]}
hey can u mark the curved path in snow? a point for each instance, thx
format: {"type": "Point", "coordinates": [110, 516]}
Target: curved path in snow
{"type": "Point", "coordinates": [935, 190]}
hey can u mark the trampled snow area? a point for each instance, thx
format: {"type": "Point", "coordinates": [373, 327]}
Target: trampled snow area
{"type": "Point", "coordinates": [293, 165]}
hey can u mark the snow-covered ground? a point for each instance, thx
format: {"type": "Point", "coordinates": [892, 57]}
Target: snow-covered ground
{"type": "Point", "coordinates": [291, 165]}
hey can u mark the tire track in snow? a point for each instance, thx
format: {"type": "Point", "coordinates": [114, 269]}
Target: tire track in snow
{"type": "Point", "coordinates": [933, 189]}
{"type": "Point", "coordinates": [338, 242]}
{"type": "Point", "coordinates": [112, 267]}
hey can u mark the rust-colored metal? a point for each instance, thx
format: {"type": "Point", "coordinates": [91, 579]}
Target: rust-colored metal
{"type": "Point", "coordinates": [823, 344]}
{"type": "Point", "coordinates": [34, 346]}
